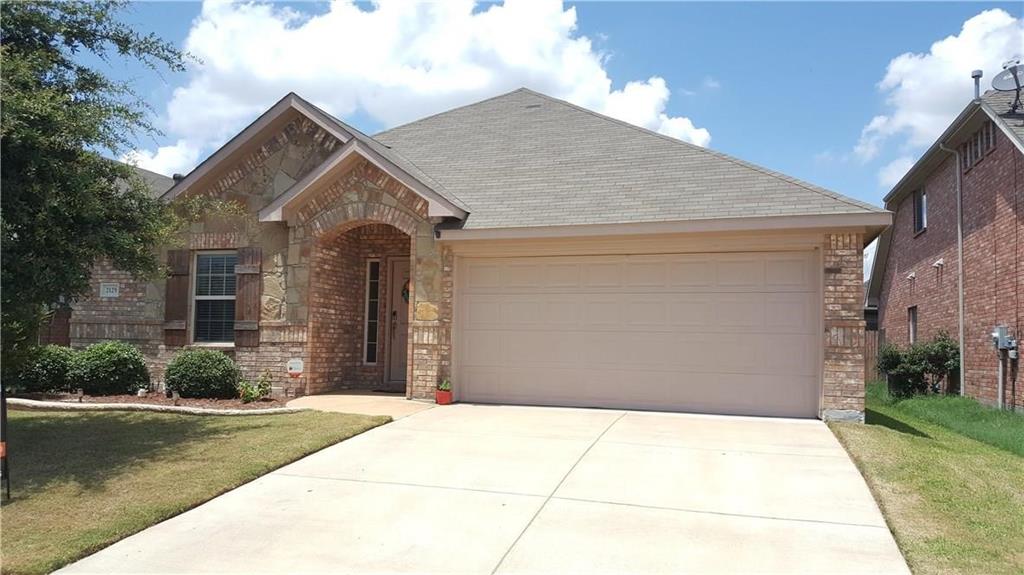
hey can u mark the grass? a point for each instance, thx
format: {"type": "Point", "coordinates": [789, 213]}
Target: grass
{"type": "Point", "coordinates": [964, 415]}
{"type": "Point", "coordinates": [81, 481]}
{"type": "Point", "coordinates": [949, 489]}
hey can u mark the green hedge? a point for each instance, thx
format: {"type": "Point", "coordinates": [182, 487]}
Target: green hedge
{"type": "Point", "coordinates": [109, 368]}
{"type": "Point", "coordinates": [203, 373]}
{"type": "Point", "coordinates": [47, 370]}
{"type": "Point", "coordinates": [921, 368]}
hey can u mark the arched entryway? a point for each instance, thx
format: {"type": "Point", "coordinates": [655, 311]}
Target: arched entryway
{"type": "Point", "coordinates": [359, 308]}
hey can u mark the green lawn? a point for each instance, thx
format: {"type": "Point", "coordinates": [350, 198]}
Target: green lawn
{"type": "Point", "coordinates": [85, 480]}
{"type": "Point", "coordinates": [955, 503]}
{"type": "Point", "coordinates": [1003, 429]}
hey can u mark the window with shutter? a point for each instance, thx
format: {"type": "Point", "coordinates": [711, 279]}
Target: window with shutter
{"type": "Point", "coordinates": [247, 297]}
{"type": "Point", "coordinates": [176, 298]}
{"type": "Point", "coordinates": [214, 296]}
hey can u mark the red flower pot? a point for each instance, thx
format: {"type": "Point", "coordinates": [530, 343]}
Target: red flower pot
{"type": "Point", "coordinates": [443, 397]}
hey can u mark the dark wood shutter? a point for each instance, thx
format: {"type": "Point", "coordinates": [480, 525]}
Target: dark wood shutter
{"type": "Point", "coordinates": [247, 297]}
{"type": "Point", "coordinates": [176, 298]}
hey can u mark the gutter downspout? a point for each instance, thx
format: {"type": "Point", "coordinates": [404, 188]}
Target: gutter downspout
{"type": "Point", "coordinates": [960, 258]}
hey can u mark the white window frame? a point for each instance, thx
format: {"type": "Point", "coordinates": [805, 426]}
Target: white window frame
{"type": "Point", "coordinates": [193, 298]}
{"type": "Point", "coordinates": [912, 324]}
{"type": "Point", "coordinates": [366, 312]}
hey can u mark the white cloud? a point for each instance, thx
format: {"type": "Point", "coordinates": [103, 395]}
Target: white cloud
{"type": "Point", "coordinates": [711, 83]}
{"type": "Point", "coordinates": [165, 160]}
{"type": "Point", "coordinates": [925, 91]}
{"type": "Point", "coordinates": [894, 171]}
{"type": "Point", "coordinates": [395, 62]}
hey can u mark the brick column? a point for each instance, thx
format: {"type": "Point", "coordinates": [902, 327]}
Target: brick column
{"type": "Point", "coordinates": [844, 328]}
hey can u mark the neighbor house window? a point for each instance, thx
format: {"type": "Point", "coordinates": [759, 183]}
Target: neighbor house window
{"type": "Point", "coordinates": [214, 320]}
{"type": "Point", "coordinates": [920, 211]}
{"type": "Point", "coordinates": [980, 143]}
{"type": "Point", "coordinates": [372, 310]}
{"type": "Point", "coordinates": [912, 323]}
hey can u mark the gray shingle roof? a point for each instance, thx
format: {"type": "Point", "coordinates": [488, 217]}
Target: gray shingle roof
{"type": "Point", "coordinates": [526, 159]}
{"type": "Point", "coordinates": [1000, 103]}
{"type": "Point", "coordinates": [158, 183]}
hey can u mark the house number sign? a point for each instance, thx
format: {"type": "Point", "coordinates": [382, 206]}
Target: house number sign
{"type": "Point", "coordinates": [110, 289]}
{"type": "Point", "coordinates": [295, 368]}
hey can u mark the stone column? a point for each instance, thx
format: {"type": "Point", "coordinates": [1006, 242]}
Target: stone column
{"type": "Point", "coordinates": [429, 332]}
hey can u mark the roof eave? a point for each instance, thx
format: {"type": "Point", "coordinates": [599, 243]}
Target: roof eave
{"type": "Point", "coordinates": [870, 223]}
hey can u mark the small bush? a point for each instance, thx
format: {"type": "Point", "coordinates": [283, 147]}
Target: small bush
{"type": "Point", "coordinates": [47, 370]}
{"type": "Point", "coordinates": [205, 373]}
{"type": "Point", "coordinates": [109, 368]}
{"type": "Point", "coordinates": [249, 391]}
{"type": "Point", "coordinates": [920, 368]}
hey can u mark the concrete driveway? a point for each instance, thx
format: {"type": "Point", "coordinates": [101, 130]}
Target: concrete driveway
{"type": "Point", "coordinates": [504, 489]}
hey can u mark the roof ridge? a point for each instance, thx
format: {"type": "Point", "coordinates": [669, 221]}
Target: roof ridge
{"type": "Point", "coordinates": [462, 107]}
{"type": "Point", "coordinates": [777, 175]}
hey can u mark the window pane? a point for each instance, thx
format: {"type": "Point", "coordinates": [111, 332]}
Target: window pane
{"type": "Point", "coordinates": [215, 274]}
{"type": "Point", "coordinates": [215, 320]}
{"type": "Point", "coordinates": [372, 310]}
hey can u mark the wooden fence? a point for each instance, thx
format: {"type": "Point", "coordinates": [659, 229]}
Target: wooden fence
{"type": "Point", "coordinates": [871, 342]}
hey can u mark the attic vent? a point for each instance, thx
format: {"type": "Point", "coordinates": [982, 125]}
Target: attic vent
{"type": "Point", "coordinates": [533, 105]}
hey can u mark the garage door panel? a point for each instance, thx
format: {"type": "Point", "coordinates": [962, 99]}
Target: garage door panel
{"type": "Point", "coordinates": [602, 274]}
{"type": "Point", "coordinates": [790, 271]}
{"type": "Point", "coordinates": [741, 271]}
{"type": "Point", "coordinates": [717, 333]}
{"type": "Point", "coordinates": [791, 312]}
{"type": "Point", "coordinates": [690, 272]}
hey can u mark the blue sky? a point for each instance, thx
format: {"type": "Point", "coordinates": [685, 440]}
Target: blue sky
{"type": "Point", "coordinates": [790, 86]}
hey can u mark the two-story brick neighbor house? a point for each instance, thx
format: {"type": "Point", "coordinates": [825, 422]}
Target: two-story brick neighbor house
{"type": "Point", "coordinates": [526, 249]}
{"type": "Point", "coordinates": [974, 174]}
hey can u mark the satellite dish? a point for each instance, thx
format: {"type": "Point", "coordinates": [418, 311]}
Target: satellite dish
{"type": "Point", "coordinates": [1011, 79]}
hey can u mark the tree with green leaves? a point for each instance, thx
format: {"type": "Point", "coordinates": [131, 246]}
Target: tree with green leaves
{"type": "Point", "coordinates": [64, 207]}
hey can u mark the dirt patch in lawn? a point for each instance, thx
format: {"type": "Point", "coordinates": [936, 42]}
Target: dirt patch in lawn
{"type": "Point", "coordinates": [154, 398]}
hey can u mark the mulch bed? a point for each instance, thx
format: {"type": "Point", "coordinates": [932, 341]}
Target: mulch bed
{"type": "Point", "coordinates": [154, 398]}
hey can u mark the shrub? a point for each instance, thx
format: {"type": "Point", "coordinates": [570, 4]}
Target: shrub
{"type": "Point", "coordinates": [920, 368]}
{"type": "Point", "coordinates": [203, 373]}
{"type": "Point", "coordinates": [249, 391]}
{"type": "Point", "coordinates": [48, 369]}
{"type": "Point", "coordinates": [109, 368]}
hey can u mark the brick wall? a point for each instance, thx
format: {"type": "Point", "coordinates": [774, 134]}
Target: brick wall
{"type": "Point", "coordinates": [843, 382]}
{"type": "Point", "coordinates": [993, 197]}
{"type": "Point", "coordinates": [338, 307]}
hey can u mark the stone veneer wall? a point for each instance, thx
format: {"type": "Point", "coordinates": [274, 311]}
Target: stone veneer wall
{"type": "Point", "coordinates": [137, 315]}
{"type": "Point", "coordinates": [843, 387]}
{"type": "Point", "coordinates": [367, 195]}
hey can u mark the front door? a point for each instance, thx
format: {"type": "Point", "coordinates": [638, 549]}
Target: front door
{"type": "Point", "coordinates": [398, 323]}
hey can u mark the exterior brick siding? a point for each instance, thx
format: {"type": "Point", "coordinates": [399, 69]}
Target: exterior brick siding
{"type": "Point", "coordinates": [843, 378]}
{"type": "Point", "coordinates": [993, 227]}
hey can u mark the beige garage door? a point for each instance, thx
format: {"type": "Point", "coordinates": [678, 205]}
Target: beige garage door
{"type": "Point", "coordinates": [730, 333]}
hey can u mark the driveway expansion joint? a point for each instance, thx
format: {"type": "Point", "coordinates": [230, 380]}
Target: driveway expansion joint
{"type": "Point", "coordinates": [555, 490]}
{"type": "Point", "coordinates": [725, 450]}
{"type": "Point", "coordinates": [722, 513]}
{"type": "Point", "coordinates": [405, 484]}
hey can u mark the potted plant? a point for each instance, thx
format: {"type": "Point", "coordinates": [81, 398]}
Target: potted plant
{"type": "Point", "coordinates": [444, 392]}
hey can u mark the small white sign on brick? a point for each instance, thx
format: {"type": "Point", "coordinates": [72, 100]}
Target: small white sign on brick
{"type": "Point", "coordinates": [110, 290]}
{"type": "Point", "coordinates": [295, 367]}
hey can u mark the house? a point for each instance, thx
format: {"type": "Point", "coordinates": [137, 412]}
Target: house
{"type": "Point", "coordinates": [528, 250]}
{"type": "Point", "coordinates": [916, 282]}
